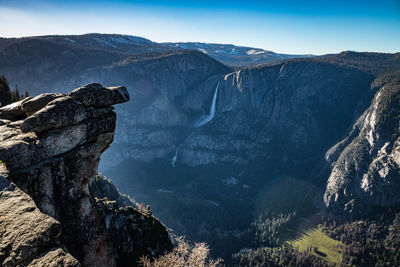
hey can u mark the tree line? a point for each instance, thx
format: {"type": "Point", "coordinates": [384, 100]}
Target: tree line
{"type": "Point", "coordinates": [369, 242]}
{"type": "Point", "coordinates": [8, 96]}
{"type": "Point", "coordinates": [372, 241]}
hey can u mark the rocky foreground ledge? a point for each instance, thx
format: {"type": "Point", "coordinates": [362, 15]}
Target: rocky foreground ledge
{"type": "Point", "coordinates": [50, 147]}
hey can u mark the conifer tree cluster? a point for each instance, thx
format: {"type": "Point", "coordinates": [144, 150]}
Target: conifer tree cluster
{"type": "Point", "coordinates": [6, 95]}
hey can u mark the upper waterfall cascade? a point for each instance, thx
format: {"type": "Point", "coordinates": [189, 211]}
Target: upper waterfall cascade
{"type": "Point", "coordinates": [205, 119]}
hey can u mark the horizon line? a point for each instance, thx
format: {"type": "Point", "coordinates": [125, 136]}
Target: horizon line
{"type": "Point", "coordinates": [201, 42]}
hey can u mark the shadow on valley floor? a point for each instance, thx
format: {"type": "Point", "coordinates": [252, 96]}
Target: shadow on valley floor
{"type": "Point", "coordinates": [214, 205]}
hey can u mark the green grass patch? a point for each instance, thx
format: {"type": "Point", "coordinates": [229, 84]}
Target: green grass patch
{"type": "Point", "coordinates": [327, 248]}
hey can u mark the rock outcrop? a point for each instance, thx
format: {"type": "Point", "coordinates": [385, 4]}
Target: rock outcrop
{"type": "Point", "coordinates": [366, 164]}
{"type": "Point", "coordinates": [50, 152]}
{"type": "Point", "coordinates": [28, 237]}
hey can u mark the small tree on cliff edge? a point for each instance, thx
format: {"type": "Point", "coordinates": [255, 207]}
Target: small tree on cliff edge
{"type": "Point", "coordinates": [15, 95]}
{"type": "Point", "coordinates": [5, 93]}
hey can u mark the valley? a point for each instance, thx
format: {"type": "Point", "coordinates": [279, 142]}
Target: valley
{"type": "Point", "coordinates": [212, 141]}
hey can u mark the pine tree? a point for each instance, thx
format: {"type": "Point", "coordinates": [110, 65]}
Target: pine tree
{"type": "Point", "coordinates": [16, 96]}
{"type": "Point", "coordinates": [5, 93]}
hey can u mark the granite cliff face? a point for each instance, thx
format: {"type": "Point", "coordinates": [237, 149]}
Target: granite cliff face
{"type": "Point", "coordinates": [286, 105]}
{"type": "Point", "coordinates": [366, 163]}
{"type": "Point", "coordinates": [50, 148]}
{"type": "Point", "coordinates": [28, 236]}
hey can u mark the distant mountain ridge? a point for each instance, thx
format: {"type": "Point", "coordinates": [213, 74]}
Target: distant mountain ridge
{"type": "Point", "coordinates": [233, 55]}
{"type": "Point", "coordinates": [126, 44]}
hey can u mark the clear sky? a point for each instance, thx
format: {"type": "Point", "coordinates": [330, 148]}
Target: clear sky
{"type": "Point", "coordinates": [284, 26]}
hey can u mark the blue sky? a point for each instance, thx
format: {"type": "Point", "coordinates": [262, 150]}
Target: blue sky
{"type": "Point", "coordinates": [285, 26]}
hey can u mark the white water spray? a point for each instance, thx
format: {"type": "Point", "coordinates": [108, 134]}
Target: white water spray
{"type": "Point", "coordinates": [175, 157]}
{"type": "Point", "coordinates": [205, 119]}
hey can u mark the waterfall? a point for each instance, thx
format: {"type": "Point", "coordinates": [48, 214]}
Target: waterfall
{"type": "Point", "coordinates": [175, 157]}
{"type": "Point", "coordinates": [205, 119]}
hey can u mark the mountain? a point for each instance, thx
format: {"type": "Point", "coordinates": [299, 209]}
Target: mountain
{"type": "Point", "coordinates": [111, 42]}
{"type": "Point", "coordinates": [84, 55]}
{"type": "Point", "coordinates": [366, 163]}
{"type": "Point", "coordinates": [233, 55]}
{"type": "Point", "coordinates": [63, 64]}
{"type": "Point", "coordinates": [228, 54]}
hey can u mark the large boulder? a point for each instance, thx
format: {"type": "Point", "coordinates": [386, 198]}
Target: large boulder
{"type": "Point", "coordinates": [38, 102]}
{"type": "Point", "coordinates": [56, 114]}
{"type": "Point", "coordinates": [95, 95]}
{"type": "Point", "coordinates": [13, 111]}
